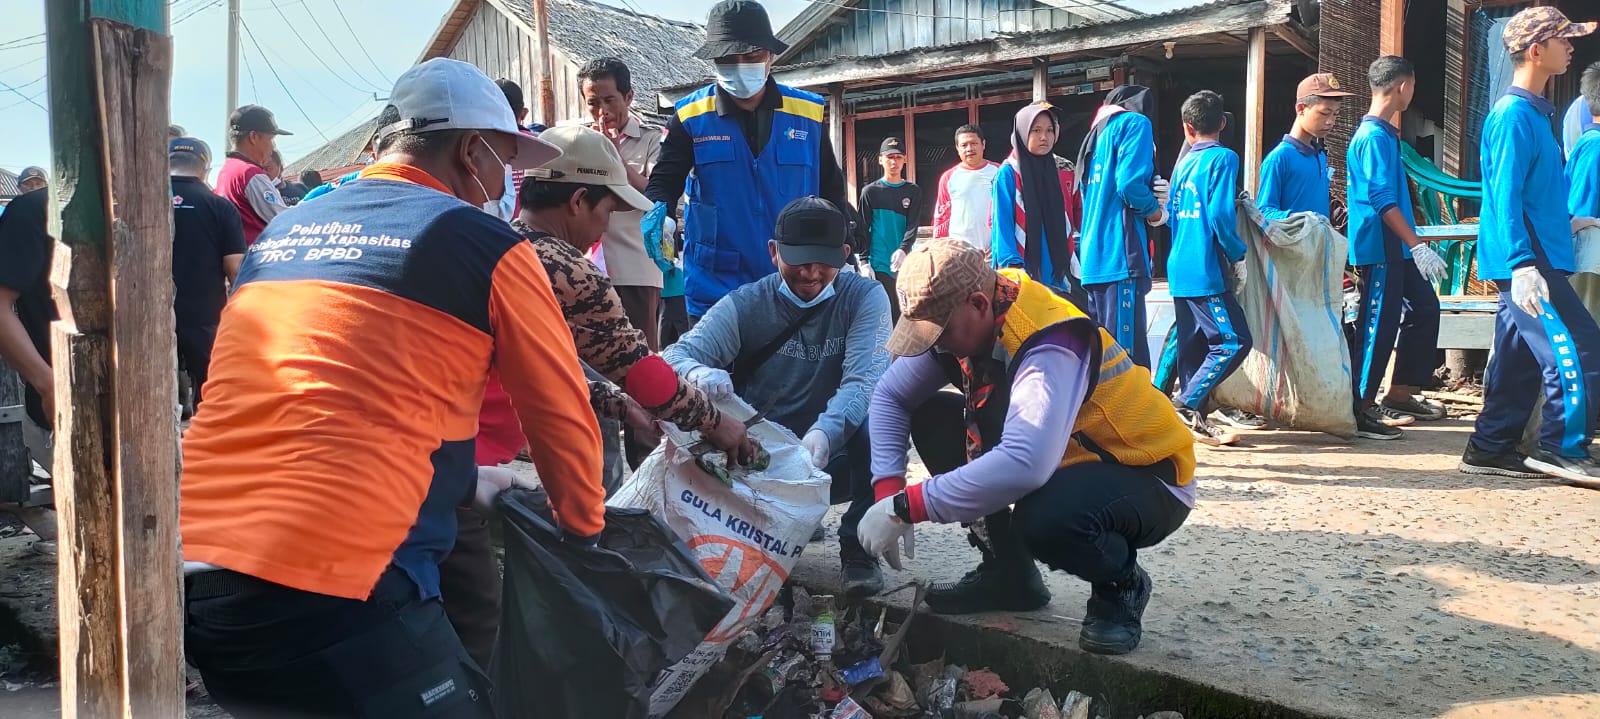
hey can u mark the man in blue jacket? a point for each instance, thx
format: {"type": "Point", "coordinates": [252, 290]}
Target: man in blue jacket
{"type": "Point", "coordinates": [1399, 311]}
{"type": "Point", "coordinates": [1211, 334]}
{"type": "Point", "coordinates": [744, 147]}
{"type": "Point", "coordinates": [1116, 167]}
{"type": "Point", "coordinates": [1544, 337]}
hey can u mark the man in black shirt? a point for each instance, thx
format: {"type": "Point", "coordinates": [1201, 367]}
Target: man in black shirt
{"type": "Point", "coordinates": [26, 308]}
{"type": "Point", "coordinates": [207, 248]}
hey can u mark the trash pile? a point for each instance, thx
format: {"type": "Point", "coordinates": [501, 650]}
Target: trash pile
{"type": "Point", "coordinates": [809, 658]}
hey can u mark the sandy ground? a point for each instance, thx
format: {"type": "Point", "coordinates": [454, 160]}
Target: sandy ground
{"type": "Point", "coordinates": [1370, 580]}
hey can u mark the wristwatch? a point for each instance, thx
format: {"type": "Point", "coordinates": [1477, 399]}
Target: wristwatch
{"type": "Point", "coordinates": [902, 506]}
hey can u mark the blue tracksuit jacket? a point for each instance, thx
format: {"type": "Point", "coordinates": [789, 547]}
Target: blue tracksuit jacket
{"type": "Point", "coordinates": [1524, 217]}
{"type": "Point", "coordinates": [1375, 182]}
{"type": "Point", "coordinates": [1116, 200]}
{"type": "Point", "coordinates": [1205, 231]}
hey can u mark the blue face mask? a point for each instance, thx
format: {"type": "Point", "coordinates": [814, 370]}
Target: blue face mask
{"type": "Point", "coordinates": [783, 289]}
{"type": "Point", "coordinates": [742, 80]}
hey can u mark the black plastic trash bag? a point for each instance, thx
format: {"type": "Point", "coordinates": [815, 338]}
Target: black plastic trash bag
{"type": "Point", "coordinates": [585, 630]}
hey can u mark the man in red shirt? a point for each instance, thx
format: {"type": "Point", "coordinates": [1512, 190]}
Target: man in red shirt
{"type": "Point", "coordinates": [252, 138]}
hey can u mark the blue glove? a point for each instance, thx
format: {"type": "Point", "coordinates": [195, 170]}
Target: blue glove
{"type": "Point", "coordinates": [652, 226]}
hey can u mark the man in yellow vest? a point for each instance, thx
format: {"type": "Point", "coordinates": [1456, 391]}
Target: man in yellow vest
{"type": "Point", "coordinates": [1057, 448]}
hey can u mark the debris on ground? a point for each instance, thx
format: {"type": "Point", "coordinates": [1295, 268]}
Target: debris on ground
{"type": "Point", "coordinates": [820, 657]}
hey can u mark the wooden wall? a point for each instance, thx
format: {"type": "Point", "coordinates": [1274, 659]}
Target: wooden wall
{"type": "Point", "coordinates": [501, 48]}
{"type": "Point", "coordinates": [878, 27]}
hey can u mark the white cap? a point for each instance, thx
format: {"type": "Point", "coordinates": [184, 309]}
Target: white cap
{"type": "Point", "coordinates": [588, 158]}
{"type": "Point", "coordinates": [445, 94]}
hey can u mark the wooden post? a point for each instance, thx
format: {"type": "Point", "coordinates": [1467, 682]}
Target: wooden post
{"type": "Point", "coordinates": [116, 459]}
{"type": "Point", "coordinates": [1255, 108]}
{"type": "Point", "coordinates": [1392, 27]}
{"type": "Point", "coordinates": [850, 156]}
{"type": "Point", "coordinates": [16, 465]}
{"type": "Point", "coordinates": [1041, 79]}
{"type": "Point", "coordinates": [911, 145]}
{"type": "Point", "coordinates": [972, 113]}
{"type": "Point", "coordinates": [836, 120]}
{"type": "Point", "coordinates": [547, 88]}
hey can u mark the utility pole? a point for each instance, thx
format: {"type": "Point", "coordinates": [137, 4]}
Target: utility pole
{"type": "Point", "coordinates": [547, 89]}
{"type": "Point", "coordinates": [116, 464]}
{"type": "Point", "coordinates": [233, 66]}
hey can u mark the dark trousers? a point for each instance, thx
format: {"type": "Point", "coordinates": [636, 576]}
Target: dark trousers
{"type": "Point", "coordinates": [851, 471]}
{"type": "Point", "coordinates": [1398, 315]}
{"type": "Point", "coordinates": [194, 354]}
{"type": "Point", "coordinates": [1119, 308]}
{"type": "Point", "coordinates": [887, 280]}
{"type": "Point", "coordinates": [1550, 358]}
{"type": "Point", "coordinates": [674, 319]}
{"type": "Point", "coordinates": [1212, 341]}
{"type": "Point", "coordinates": [266, 650]}
{"type": "Point", "coordinates": [469, 580]}
{"type": "Point", "coordinates": [642, 306]}
{"type": "Point", "coordinates": [1088, 520]}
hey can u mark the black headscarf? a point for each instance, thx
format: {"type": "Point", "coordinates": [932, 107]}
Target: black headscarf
{"type": "Point", "coordinates": [1133, 98]}
{"type": "Point", "coordinates": [1042, 202]}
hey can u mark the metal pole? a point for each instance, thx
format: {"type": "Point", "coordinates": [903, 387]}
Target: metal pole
{"type": "Point", "coordinates": [233, 65]}
{"type": "Point", "coordinates": [547, 90]}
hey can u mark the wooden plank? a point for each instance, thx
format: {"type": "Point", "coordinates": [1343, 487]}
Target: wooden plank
{"type": "Point", "coordinates": [1041, 79]}
{"type": "Point", "coordinates": [1392, 31]}
{"type": "Point", "coordinates": [1291, 36]}
{"type": "Point", "coordinates": [836, 120]}
{"type": "Point", "coordinates": [16, 465]}
{"type": "Point", "coordinates": [1453, 150]}
{"type": "Point", "coordinates": [972, 112]}
{"type": "Point", "coordinates": [952, 105]}
{"type": "Point", "coordinates": [1255, 108]}
{"type": "Point", "coordinates": [911, 145]}
{"type": "Point", "coordinates": [850, 155]}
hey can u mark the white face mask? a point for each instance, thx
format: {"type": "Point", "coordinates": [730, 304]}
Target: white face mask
{"type": "Point", "coordinates": [742, 80]}
{"type": "Point", "coordinates": [492, 205]}
{"type": "Point", "coordinates": [783, 289]}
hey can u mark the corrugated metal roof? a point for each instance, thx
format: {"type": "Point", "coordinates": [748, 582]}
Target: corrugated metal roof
{"type": "Point", "coordinates": [659, 52]}
{"type": "Point", "coordinates": [8, 184]}
{"type": "Point", "coordinates": [339, 152]}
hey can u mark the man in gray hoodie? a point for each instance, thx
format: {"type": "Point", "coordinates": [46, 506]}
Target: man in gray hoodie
{"type": "Point", "coordinates": [806, 344]}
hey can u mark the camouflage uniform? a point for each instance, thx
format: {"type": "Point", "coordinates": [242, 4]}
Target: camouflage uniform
{"type": "Point", "coordinates": [603, 336]}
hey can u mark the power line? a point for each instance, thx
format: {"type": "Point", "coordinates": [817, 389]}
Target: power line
{"type": "Point", "coordinates": [18, 93]}
{"type": "Point", "coordinates": [197, 9]}
{"type": "Point", "coordinates": [255, 95]}
{"type": "Point", "coordinates": [335, 47]}
{"type": "Point", "coordinates": [359, 44]}
{"type": "Point", "coordinates": [28, 41]}
{"type": "Point", "coordinates": [274, 72]}
{"type": "Point", "coordinates": [26, 99]}
{"type": "Point", "coordinates": [318, 57]}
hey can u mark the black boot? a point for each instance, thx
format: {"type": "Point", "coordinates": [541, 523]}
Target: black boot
{"type": "Point", "coordinates": [1113, 622]}
{"type": "Point", "coordinates": [859, 573]}
{"type": "Point", "coordinates": [1006, 579]}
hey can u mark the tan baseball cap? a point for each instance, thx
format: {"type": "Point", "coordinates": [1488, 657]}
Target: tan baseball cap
{"type": "Point", "coordinates": [934, 280]}
{"type": "Point", "coordinates": [1322, 84]}
{"type": "Point", "coordinates": [588, 158]}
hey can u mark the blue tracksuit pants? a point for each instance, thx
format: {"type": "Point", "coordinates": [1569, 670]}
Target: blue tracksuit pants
{"type": "Point", "coordinates": [1212, 340]}
{"type": "Point", "coordinates": [1398, 315]}
{"type": "Point", "coordinates": [1550, 358]}
{"type": "Point", "coordinates": [1119, 308]}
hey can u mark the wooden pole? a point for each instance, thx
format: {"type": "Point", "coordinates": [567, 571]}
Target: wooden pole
{"type": "Point", "coordinates": [911, 145]}
{"type": "Point", "coordinates": [836, 121]}
{"type": "Point", "coordinates": [116, 459]}
{"type": "Point", "coordinates": [1255, 108]}
{"type": "Point", "coordinates": [850, 156]}
{"type": "Point", "coordinates": [1041, 79]}
{"type": "Point", "coordinates": [16, 465]}
{"type": "Point", "coordinates": [547, 88]}
{"type": "Point", "coordinates": [1392, 27]}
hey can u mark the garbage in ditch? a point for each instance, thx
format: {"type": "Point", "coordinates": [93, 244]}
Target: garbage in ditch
{"type": "Point", "coordinates": [813, 657]}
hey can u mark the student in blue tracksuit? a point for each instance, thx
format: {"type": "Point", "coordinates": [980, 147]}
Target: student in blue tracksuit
{"type": "Point", "coordinates": [1296, 175]}
{"type": "Point", "coordinates": [1583, 162]}
{"type": "Point", "coordinates": [1121, 195]}
{"type": "Point", "coordinates": [1211, 334]}
{"type": "Point", "coordinates": [1544, 337]}
{"type": "Point", "coordinates": [1399, 311]}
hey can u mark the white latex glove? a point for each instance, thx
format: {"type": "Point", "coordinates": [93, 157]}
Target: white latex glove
{"type": "Point", "coordinates": [716, 383]}
{"type": "Point", "coordinates": [1241, 272]}
{"type": "Point", "coordinates": [491, 482]}
{"type": "Point", "coordinates": [816, 442]}
{"type": "Point", "coordinates": [1163, 190]}
{"type": "Point", "coordinates": [881, 533]}
{"type": "Point", "coordinates": [898, 257]}
{"type": "Point", "coordinates": [1430, 263]}
{"type": "Point", "coordinates": [1159, 220]}
{"type": "Point", "coordinates": [1529, 290]}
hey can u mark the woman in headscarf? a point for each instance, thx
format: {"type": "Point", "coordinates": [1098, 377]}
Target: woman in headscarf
{"type": "Point", "coordinates": [1030, 227]}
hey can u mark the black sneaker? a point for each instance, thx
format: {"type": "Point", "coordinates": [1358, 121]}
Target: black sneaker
{"type": "Point", "coordinates": [860, 578]}
{"type": "Point", "coordinates": [1582, 471]}
{"type": "Point", "coordinates": [1204, 431]}
{"type": "Point", "coordinates": [1368, 426]}
{"type": "Point", "coordinates": [1390, 417]}
{"type": "Point", "coordinates": [1416, 406]}
{"type": "Point", "coordinates": [1114, 620]}
{"type": "Point", "coordinates": [1505, 464]}
{"type": "Point", "coordinates": [1013, 586]}
{"type": "Point", "coordinates": [1239, 419]}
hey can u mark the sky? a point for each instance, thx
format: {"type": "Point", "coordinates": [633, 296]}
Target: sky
{"type": "Point", "coordinates": [334, 89]}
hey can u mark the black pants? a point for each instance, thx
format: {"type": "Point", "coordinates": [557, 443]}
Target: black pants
{"type": "Point", "coordinates": [674, 319]}
{"type": "Point", "coordinates": [194, 354]}
{"type": "Point", "coordinates": [887, 280]}
{"type": "Point", "coordinates": [266, 650]}
{"type": "Point", "coordinates": [1399, 316]}
{"type": "Point", "coordinates": [1088, 520]}
{"type": "Point", "coordinates": [469, 579]}
{"type": "Point", "coordinates": [851, 471]}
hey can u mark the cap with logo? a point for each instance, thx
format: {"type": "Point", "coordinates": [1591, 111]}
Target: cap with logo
{"type": "Point", "coordinates": [736, 27]}
{"type": "Point", "coordinates": [445, 94]}
{"type": "Point", "coordinates": [891, 146]}
{"type": "Point", "coordinates": [1540, 24]}
{"type": "Point", "coordinates": [254, 118]}
{"type": "Point", "coordinates": [191, 145]}
{"type": "Point", "coordinates": [934, 280]}
{"type": "Point", "coordinates": [1322, 84]}
{"type": "Point", "coordinates": [588, 158]}
{"type": "Point", "coordinates": [32, 172]}
{"type": "Point", "coordinates": [811, 230]}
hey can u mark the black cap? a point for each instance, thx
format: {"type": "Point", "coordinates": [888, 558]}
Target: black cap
{"type": "Point", "coordinates": [892, 146]}
{"type": "Point", "coordinates": [736, 27]}
{"type": "Point", "coordinates": [254, 118]}
{"type": "Point", "coordinates": [811, 231]}
{"type": "Point", "coordinates": [32, 172]}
